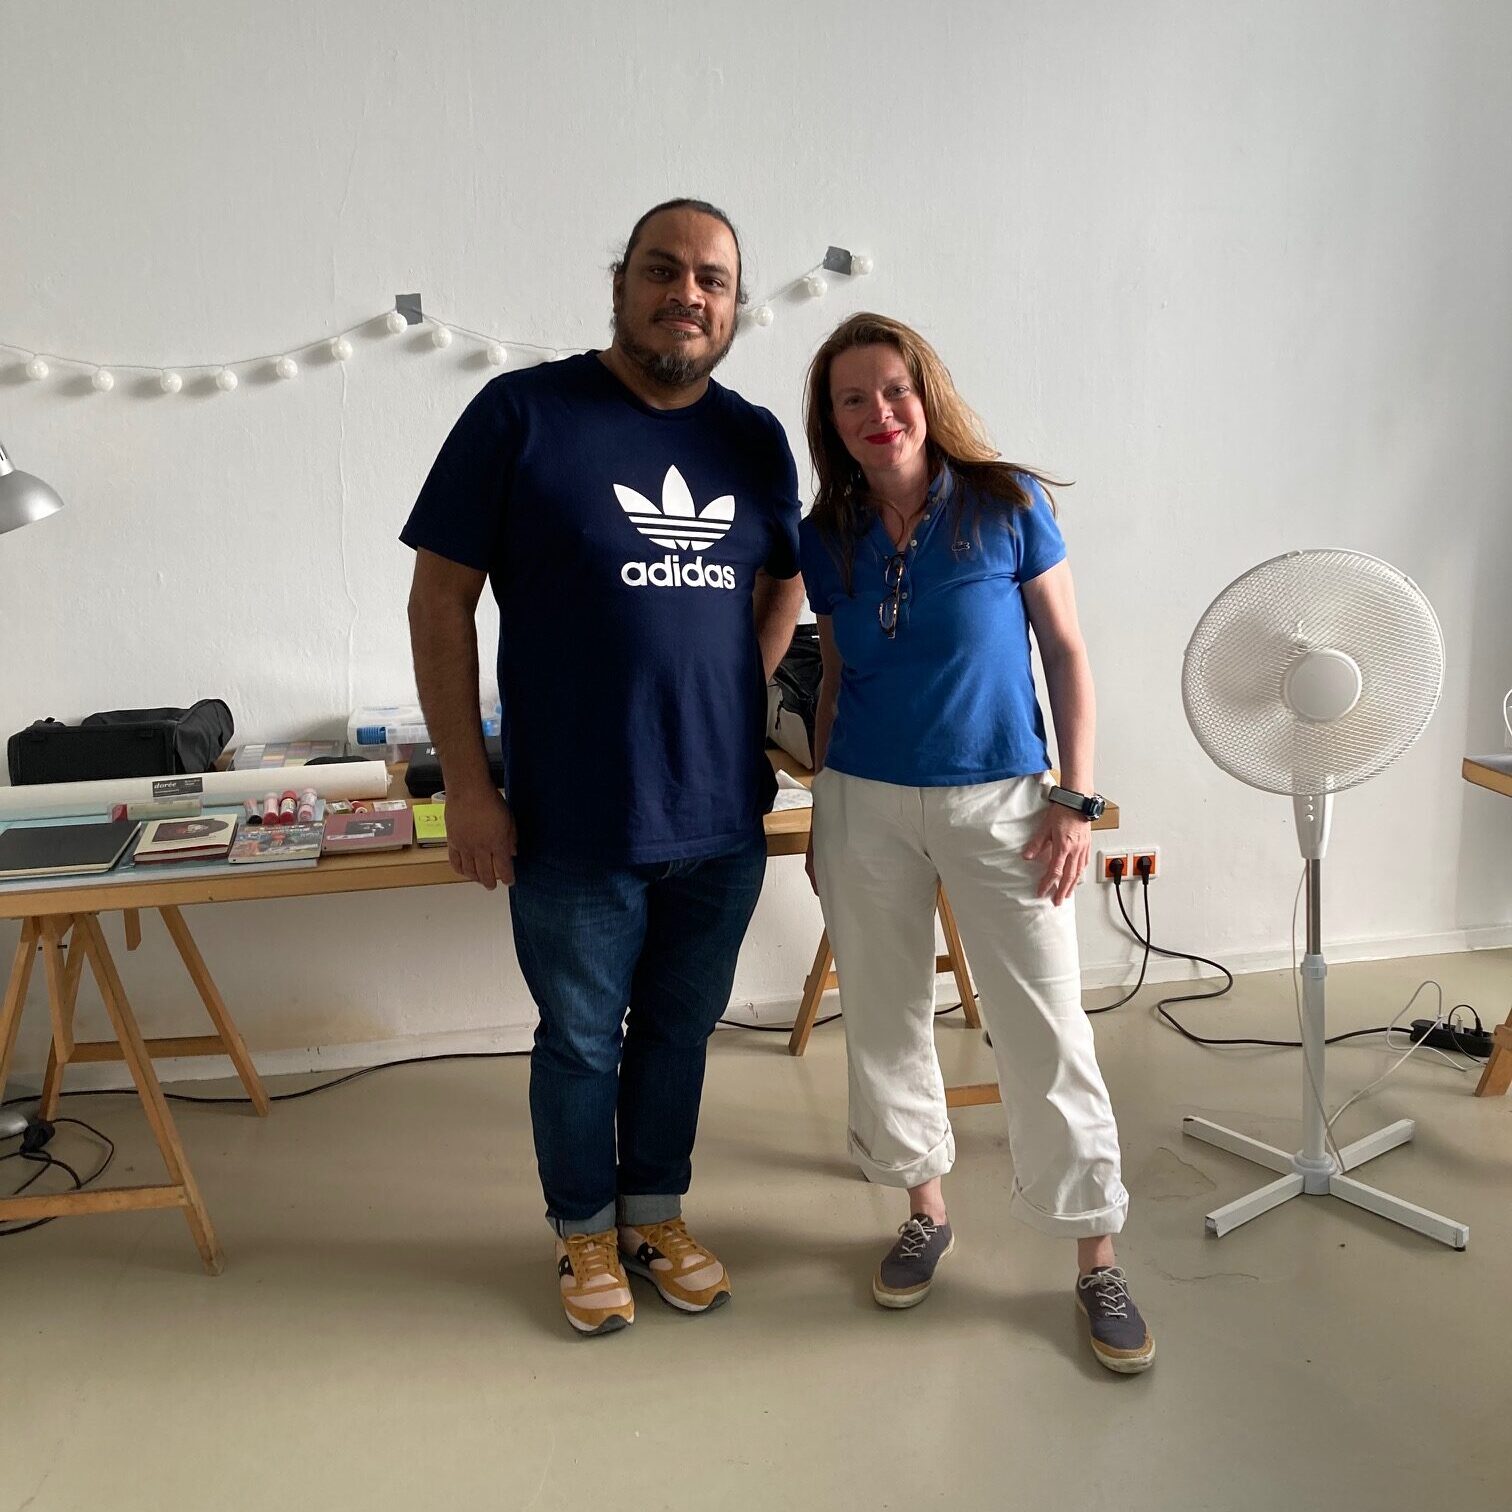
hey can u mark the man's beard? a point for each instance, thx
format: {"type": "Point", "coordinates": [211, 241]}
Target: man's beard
{"type": "Point", "coordinates": [669, 370]}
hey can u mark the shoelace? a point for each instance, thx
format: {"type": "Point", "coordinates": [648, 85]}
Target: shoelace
{"type": "Point", "coordinates": [1112, 1290]}
{"type": "Point", "coordinates": [916, 1234]}
{"type": "Point", "coordinates": [673, 1240]}
{"type": "Point", "coordinates": [592, 1255]}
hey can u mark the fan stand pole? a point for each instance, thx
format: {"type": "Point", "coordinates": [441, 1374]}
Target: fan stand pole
{"type": "Point", "coordinates": [1313, 1170]}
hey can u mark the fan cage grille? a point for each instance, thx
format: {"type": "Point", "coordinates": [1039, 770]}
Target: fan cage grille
{"type": "Point", "coordinates": [1254, 631]}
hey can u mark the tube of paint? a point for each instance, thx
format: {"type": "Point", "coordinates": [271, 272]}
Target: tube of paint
{"type": "Point", "coordinates": [254, 813]}
{"type": "Point", "coordinates": [270, 809]}
{"type": "Point", "coordinates": [307, 806]}
{"type": "Point", "coordinates": [288, 806]}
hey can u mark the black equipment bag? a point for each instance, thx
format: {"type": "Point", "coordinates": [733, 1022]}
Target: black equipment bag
{"type": "Point", "coordinates": [793, 696]}
{"type": "Point", "coordinates": [122, 743]}
{"type": "Point", "coordinates": [423, 777]}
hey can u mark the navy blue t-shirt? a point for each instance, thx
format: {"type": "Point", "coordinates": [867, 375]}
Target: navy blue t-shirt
{"type": "Point", "coordinates": [949, 701]}
{"type": "Point", "coordinates": [622, 543]}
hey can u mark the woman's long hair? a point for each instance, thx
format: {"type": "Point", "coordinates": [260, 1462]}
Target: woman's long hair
{"type": "Point", "coordinates": [843, 510]}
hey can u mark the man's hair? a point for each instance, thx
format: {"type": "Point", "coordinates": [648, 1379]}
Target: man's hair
{"type": "Point", "coordinates": [702, 207]}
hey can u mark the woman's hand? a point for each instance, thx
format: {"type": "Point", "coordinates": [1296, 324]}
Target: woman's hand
{"type": "Point", "coordinates": [1065, 842]}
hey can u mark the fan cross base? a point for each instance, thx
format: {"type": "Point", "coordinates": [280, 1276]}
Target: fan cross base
{"type": "Point", "coordinates": [1301, 1176]}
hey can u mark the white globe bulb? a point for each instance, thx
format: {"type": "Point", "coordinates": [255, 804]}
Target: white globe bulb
{"type": "Point", "coordinates": [816, 284]}
{"type": "Point", "coordinates": [286, 367]}
{"type": "Point", "coordinates": [862, 265]}
{"type": "Point", "coordinates": [225, 380]}
{"type": "Point", "coordinates": [441, 337]}
{"type": "Point", "coordinates": [341, 349]}
{"type": "Point", "coordinates": [497, 354]}
{"type": "Point", "coordinates": [37, 370]}
{"type": "Point", "coordinates": [763, 315]}
{"type": "Point", "coordinates": [396, 323]}
{"type": "Point", "coordinates": [103, 380]}
{"type": "Point", "coordinates": [170, 383]}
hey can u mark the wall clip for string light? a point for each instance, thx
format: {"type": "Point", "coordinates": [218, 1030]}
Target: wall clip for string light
{"type": "Point", "coordinates": [407, 312]}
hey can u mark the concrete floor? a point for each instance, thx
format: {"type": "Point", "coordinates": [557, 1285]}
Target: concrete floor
{"type": "Point", "coordinates": [386, 1332]}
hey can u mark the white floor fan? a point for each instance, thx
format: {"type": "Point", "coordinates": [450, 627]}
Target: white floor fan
{"type": "Point", "coordinates": [1308, 675]}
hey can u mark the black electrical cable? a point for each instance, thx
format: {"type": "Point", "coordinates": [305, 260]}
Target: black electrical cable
{"type": "Point", "coordinates": [339, 1081]}
{"type": "Point", "coordinates": [44, 1163]}
{"type": "Point", "coordinates": [829, 1018]}
{"type": "Point", "coordinates": [1144, 965]}
{"type": "Point", "coordinates": [1197, 997]}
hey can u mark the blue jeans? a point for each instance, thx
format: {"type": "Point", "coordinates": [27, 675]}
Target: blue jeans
{"type": "Point", "coordinates": [660, 940]}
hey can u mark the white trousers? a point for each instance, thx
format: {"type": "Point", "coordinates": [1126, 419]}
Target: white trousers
{"type": "Point", "coordinates": [880, 850]}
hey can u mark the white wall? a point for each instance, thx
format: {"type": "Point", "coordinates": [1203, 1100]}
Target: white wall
{"type": "Point", "coordinates": [1240, 271]}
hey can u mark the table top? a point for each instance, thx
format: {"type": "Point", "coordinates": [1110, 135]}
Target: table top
{"type": "Point", "coordinates": [787, 832]}
{"type": "Point", "coordinates": [1497, 778]}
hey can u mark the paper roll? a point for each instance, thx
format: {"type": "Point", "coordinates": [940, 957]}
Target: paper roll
{"type": "Point", "coordinates": [66, 800]}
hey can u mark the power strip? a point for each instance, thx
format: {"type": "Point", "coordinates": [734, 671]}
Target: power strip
{"type": "Point", "coordinates": [1476, 1042]}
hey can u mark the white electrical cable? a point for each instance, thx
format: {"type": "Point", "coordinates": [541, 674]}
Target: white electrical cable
{"type": "Point", "coordinates": [1401, 1059]}
{"type": "Point", "coordinates": [1439, 1019]}
{"type": "Point", "coordinates": [1507, 713]}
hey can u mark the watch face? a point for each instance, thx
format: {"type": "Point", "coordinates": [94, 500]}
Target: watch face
{"type": "Point", "coordinates": [1095, 806]}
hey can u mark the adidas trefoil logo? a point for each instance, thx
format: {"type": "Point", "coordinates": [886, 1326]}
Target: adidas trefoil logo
{"type": "Point", "coordinates": [677, 526]}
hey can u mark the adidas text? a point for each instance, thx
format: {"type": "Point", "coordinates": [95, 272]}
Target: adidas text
{"type": "Point", "coordinates": [671, 572]}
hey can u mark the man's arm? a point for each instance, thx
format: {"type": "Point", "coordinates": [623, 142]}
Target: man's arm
{"type": "Point", "coordinates": [444, 640]}
{"type": "Point", "coordinates": [777, 602]}
{"type": "Point", "coordinates": [824, 715]}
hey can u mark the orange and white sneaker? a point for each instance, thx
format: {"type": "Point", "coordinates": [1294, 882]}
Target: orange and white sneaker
{"type": "Point", "coordinates": [677, 1265]}
{"type": "Point", "coordinates": [595, 1290]}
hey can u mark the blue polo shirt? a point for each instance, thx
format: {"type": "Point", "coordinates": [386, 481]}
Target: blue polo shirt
{"type": "Point", "coordinates": [622, 544]}
{"type": "Point", "coordinates": [950, 699]}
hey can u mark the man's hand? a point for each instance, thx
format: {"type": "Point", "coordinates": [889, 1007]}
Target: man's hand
{"type": "Point", "coordinates": [480, 837]}
{"type": "Point", "coordinates": [1065, 842]}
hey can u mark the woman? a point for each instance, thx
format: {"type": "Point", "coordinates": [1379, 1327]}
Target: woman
{"type": "Point", "coordinates": [927, 562]}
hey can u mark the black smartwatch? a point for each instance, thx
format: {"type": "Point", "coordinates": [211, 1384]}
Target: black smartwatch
{"type": "Point", "coordinates": [1088, 805]}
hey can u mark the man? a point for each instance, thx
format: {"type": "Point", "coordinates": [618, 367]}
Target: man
{"type": "Point", "coordinates": [638, 524]}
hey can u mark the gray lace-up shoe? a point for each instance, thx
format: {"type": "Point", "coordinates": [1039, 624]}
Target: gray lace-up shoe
{"type": "Point", "coordinates": [1119, 1337]}
{"type": "Point", "coordinates": [907, 1270]}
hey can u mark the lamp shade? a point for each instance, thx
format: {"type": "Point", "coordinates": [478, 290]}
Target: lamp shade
{"type": "Point", "coordinates": [23, 498]}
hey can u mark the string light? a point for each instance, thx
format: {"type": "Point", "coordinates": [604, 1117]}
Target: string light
{"type": "Point", "coordinates": [339, 348]}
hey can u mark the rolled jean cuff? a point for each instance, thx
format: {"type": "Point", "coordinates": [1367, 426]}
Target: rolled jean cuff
{"type": "Point", "coordinates": [597, 1224]}
{"type": "Point", "coordinates": [1088, 1225]}
{"type": "Point", "coordinates": [937, 1162]}
{"type": "Point", "coordinates": [652, 1208]}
